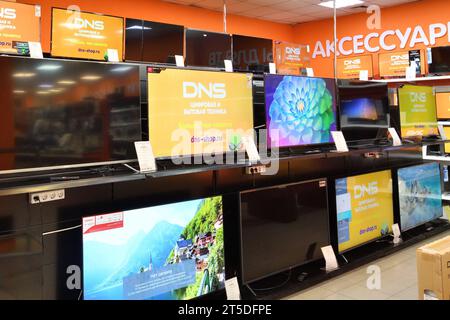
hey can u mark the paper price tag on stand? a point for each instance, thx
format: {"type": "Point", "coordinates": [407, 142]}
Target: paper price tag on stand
{"type": "Point", "coordinates": [250, 148]}
{"type": "Point", "coordinates": [395, 137]}
{"type": "Point", "coordinates": [340, 142]}
{"type": "Point", "coordinates": [310, 72]}
{"type": "Point", "coordinates": [113, 55]}
{"type": "Point", "coordinates": [272, 68]}
{"type": "Point", "coordinates": [228, 65]}
{"type": "Point", "coordinates": [330, 258]}
{"type": "Point", "coordinates": [397, 233]}
{"type": "Point", "coordinates": [35, 50]}
{"type": "Point", "coordinates": [146, 158]}
{"type": "Point", "coordinates": [179, 60]}
{"type": "Point", "coordinates": [364, 75]}
{"type": "Point", "coordinates": [232, 289]}
{"type": "Point", "coordinates": [411, 72]}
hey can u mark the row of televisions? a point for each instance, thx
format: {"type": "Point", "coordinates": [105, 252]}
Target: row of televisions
{"type": "Point", "coordinates": [83, 35]}
{"type": "Point", "coordinates": [60, 113]}
{"type": "Point", "coordinates": [176, 251]}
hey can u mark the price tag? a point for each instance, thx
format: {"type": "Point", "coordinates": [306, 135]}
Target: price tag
{"type": "Point", "coordinates": [35, 50]}
{"type": "Point", "coordinates": [330, 258]}
{"type": "Point", "coordinates": [228, 65]}
{"type": "Point", "coordinates": [113, 55]}
{"type": "Point", "coordinates": [250, 148]}
{"type": "Point", "coordinates": [411, 72]}
{"type": "Point", "coordinates": [272, 68]}
{"type": "Point", "coordinates": [395, 137]}
{"type": "Point", "coordinates": [146, 158]}
{"type": "Point", "coordinates": [232, 289]}
{"type": "Point", "coordinates": [397, 233]}
{"type": "Point", "coordinates": [364, 75]}
{"type": "Point", "coordinates": [37, 10]}
{"type": "Point", "coordinates": [179, 60]}
{"type": "Point", "coordinates": [339, 141]}
{"type": "Point", "coordinates": [310, 72]}
{"type": "Point", "coordinates": [442, 132]}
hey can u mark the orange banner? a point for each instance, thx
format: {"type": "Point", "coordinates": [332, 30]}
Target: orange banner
{"type": "Point", "coordinates": [350, 68]}
{"type": "Point", "coordinates": [292, 58]}
{"type": "Point", "coordinates": [18, 23]}
{"type": "Point", "coordinates": [85, 35]}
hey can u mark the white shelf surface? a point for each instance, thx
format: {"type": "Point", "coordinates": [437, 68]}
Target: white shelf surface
{"type": "Point", "coordinates": [434, 78]}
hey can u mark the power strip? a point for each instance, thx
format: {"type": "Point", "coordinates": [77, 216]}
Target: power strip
{"type": "Point", "coordinates": [48, 196]}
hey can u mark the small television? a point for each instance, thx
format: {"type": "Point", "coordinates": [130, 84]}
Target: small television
{"type": "Point", "coordinates": [443, 105]}
{"type": "Point", "coordinates": [207, 49]}
{"type": "Point", "coordinates": [167, 252]}
{"type": "Point", "coordinates": [365, 209]}
{"type": "Point", "coordinates": [418, 118]}
{"type": "Point", "coordinates": [152, 41]}
{"type": "Point", "coordinates": [283, 227]}
{"type": "Point", "coordinates": [193, 112]}
{"type": "Point", "coordinates": [420, 195]}
{"type": "Point", "coordinates": [439, 60]}
{"type": "Point", "coordinates": [59, 113]}
{"type": "Point", "coordinates": [252, 54]}
{"type": "Point", "coordinates": [363, 109]}
{"type": "Point", "coordinates": [300, 111]}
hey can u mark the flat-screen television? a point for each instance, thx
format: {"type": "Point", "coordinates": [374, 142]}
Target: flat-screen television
{"type": "Point", "coordinates": [193, 112]}
{"type": "Point", "coordinates": [167, 252]}
{"type": "Point", "coordinates": [417, 111]}
{"type": "Point", "coordinates": [207, 49]}
{"type": "Point", "coordinates": [84, 35]}
{"type": "Point", "coordinates": [19, 24]}
{"type": "Point", "coordinates": [365, 209]}
{"type": "Point", "coordinates": [299, 110]}
{"type": "Point", "coordinates": [364, 109]}
{"type": "Point", "coordinates": [283, 227]}
{"type": "Point", "coordinates": [439, 60]}
{"type": "Point", "coordinates": [420, 195]}
{"type": "Point", "coordinates": [443, 105]}
{"type": "Point", "coordinates": [58, 113]}
{"type": "Point", "coordinates": [252, 54]}
{"type": "Point", "coordinates": [152, 41]}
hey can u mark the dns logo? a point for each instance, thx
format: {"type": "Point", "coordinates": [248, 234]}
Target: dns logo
{"type": "Point", "coordinates": [86, 24]}
{"type": "Point", "coordinates": [8, 13]}
{"type": "Point", "coordinates": [352, 62]}
{"type": "Point", "coordinates": [418, 97]}
{"type": "Point", "coordinates": [198, 90]}
{"type": "Point", "coordinates": [362, 190]}
{"type": "Point", "coordinates": [290, 50]}
{"type": "Point", "coordinates": [403, 57]}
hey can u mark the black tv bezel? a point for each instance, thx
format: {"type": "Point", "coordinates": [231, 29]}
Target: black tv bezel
{"type": "Point", "coordinates": [65, 167]}
{"type": "Point", "coordinates": [88, 12]}
{"type": "Point", "coordinates": [124, 207]}
{"type": "Point", "coordinates": [397, 181]}
{"type": "Point", "coordinates": [301, 146]}
{"type": "Point", "coordinates": [319, 180]}
{"type": "Point", "coordinates": [335, 221]}
{"type": "Point", "coordinates": [431, 66]}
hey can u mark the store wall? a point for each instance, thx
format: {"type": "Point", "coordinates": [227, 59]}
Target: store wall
{"type": "Point", "coordinates": [155, 10]}
{"type": "Point", "coordinates": [421, 13]}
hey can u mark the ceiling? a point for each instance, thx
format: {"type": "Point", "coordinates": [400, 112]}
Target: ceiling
{"type": "Point", "coordinates": [283, 11]}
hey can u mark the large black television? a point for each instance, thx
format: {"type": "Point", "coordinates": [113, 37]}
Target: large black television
{"type": "Point", "coordinates": [439, 60]}
{"type": "Point", "coordinates": [58, 114]}
{"type": "Point", "coordinates": [252, 54]}
{"type": "Point", "coordinates": [283, 227]}
{"type": "Point", "coordinates": [152, 41]}
{"type": "Point", "coordinates": [363, 109]}
{"type": "Point", "coordinates": [207, 49]}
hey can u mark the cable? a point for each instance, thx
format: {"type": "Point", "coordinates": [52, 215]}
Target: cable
{"type": "Point", "coordinates": [275, 287]}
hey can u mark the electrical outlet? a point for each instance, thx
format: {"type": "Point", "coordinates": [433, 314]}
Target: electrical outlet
{"type": "Point", "coordinates": [255, 170]}
{"type": "Point", "coordinates": [47, 196]}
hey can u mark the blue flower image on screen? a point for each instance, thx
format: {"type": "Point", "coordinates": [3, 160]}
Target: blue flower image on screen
{"type": "Point", "coordinates": [420, 195]}
{"type": "Point", "coordinates": [169, 252]}
{"type": "Point", "coordinates": [301, 109]}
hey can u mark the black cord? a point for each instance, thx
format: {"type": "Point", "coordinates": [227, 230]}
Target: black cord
{"type": "Point", "coordinates": [275, 287]}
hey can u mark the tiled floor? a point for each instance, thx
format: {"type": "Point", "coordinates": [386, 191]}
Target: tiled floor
{"type": "Point", "coordinates": [398, 280]}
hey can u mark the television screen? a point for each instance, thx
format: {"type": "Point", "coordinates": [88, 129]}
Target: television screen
{"type": "Point", "coordinates": [443, 105]}
{"type": "Point", "coordinates": [207, 49]}
{"type": "Point", "coordinates": [439, 60]}
{"type": "Point", "coordinates": [417, 111]}
{"type": "Point", "coordinates": [252, 54]}
{"type": "Point", "coordinates": [59, 112]}
{"type": "Point", "coordinates": [168, 252]}
{"type": "Point", "coordinates": [364, 208]}
{"type": "Point", "coordinates": [152, 41]}
{"type": "Point", "coordinates": [198, 112]}
{"type": "Point", "coordinates": [364, 109]}
{"type": "Point", "coordinates": [299, 110]}
{"type": "Point", "coordinates": [283, 227]}
{"type": "Point", "coordinates": [420, 195]}
{"type": "Point", "coordinates": [19, 24]}
{"type": "Point", "coordinates": [85, 35]}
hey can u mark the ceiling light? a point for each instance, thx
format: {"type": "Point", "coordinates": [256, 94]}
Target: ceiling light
{"type": "Point", "coordinates": [56, 90]}
{"type": "Point", "coordinates": [138, 28]}
{"type": "Point", "coordinates": [90, 77]}
{"type": "Point", "coordinates": [66, 82]}
{"type": "Point", "coordinates": [122, 69]}
{"type": "Point", "coordinates": [19, 91]}
{"type": "Point", "coordinates": [341, 3]}
{"type": "Point", "coordinates": [49, 67]}
{"type": "Point", "coordinates": [42, 92]}
{"type": "Point", "coordinates": [205, 35]}
{"type": "Point", "coordinates": [23, 75]}
{"type": "Point", "coordinates": [46, 86]}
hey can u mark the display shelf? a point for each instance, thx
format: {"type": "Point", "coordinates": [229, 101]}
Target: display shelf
{"type": "Point", "coordinates": [446, 196]}
{"type": "Point", "coordinates": [420, 79]}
